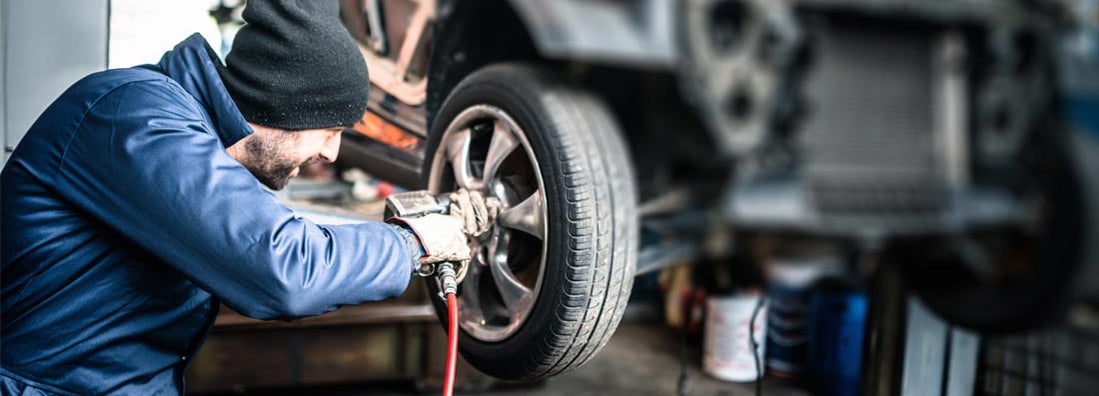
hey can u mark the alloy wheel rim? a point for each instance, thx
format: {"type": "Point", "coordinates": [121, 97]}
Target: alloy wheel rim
{"type": "Point", "coordinates": [484, 149]}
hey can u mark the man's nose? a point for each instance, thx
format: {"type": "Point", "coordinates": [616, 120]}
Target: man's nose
{"type": "Point", "coordinates": [331, 148]}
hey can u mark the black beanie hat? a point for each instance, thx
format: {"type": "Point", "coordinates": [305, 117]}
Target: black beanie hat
{"type": "Point", "coordinates": [294, 66]}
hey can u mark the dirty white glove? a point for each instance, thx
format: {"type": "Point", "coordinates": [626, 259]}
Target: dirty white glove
{"type": "Point", "coordinates": [475, 212]}
{"type": "Point", "coordinates": [441, 238]}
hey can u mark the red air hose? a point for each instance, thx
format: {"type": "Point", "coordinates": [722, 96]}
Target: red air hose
{"type": "Point", "coordinates": [451, 344]}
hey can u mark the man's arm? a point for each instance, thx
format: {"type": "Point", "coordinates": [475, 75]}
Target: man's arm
{"type": "Point", "coordinates": [164, 181]}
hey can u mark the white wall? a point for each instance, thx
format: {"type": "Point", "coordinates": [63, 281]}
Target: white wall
{"type": "Point", "coordinates": [3, 80]}
{"type": "Point", "coordinates": [47, 46]}
{"type": "Point", "coordinates": [142, 30]}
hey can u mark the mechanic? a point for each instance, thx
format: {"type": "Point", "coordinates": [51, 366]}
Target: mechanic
{"type": "Point", "coordinates": [133, 208]}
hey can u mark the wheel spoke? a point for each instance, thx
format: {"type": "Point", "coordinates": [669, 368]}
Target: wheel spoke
{"type": "Point", "coordinates": [526, 216]}
{"type": "Point", "coordinates": [457, 151]}
{"type": "Point", "coordinates": [503, 143]}
{"type": "Point", "coordinates": [516, 296]}
{"type": "Point", "coordinates": [471, 304]}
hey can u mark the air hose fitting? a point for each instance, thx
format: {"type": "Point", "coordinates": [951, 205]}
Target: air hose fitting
{"type": "Point", "coordinates": [448, 279]}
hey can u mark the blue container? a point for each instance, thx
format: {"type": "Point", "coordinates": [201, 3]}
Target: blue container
{"type": "Point", "coordinates": [837, 323]}
{"type": "Point", "coordinates": [789, 284]}
{"type": "Point", "coordinates": [787, 329]}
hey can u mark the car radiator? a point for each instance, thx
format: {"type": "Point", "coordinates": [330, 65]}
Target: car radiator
{"type": "Point", "coordinates": [869, 137]}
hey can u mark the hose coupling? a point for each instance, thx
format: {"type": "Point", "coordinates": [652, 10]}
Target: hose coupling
{"type": "Point", "coordinates": [448, 279]}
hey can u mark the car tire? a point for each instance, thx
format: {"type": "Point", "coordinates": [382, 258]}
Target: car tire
{"type": "Point", "coordinates": [544, 148]}
{"type": "Point", "coordinates": [1032, 273]}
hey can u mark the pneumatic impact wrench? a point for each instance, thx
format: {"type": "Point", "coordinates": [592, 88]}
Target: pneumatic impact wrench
{"type": "Point", "coordinates": [415, 204]}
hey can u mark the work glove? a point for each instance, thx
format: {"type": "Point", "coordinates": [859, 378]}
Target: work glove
{"type": "Point", "coordinates": [476, 213]}
{"type": "Point", "coordinates": [441, 238]}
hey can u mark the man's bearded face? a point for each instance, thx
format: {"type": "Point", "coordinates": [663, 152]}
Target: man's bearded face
{"type": "Point", "coordinates": [274, 155]}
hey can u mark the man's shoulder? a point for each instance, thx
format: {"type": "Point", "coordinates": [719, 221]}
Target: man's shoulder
{"type": "Point", "coordinates": [138, 87]}
{"type": "Point", "coordinates": [108, 81]}
{"type": "Point", "coordinates": [141, 73]}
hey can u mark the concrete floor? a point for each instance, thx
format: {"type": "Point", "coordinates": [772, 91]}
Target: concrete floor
{"type": "Point", "coordinates": [642, 358]}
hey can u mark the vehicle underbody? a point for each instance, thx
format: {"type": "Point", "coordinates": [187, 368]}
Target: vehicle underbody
{"type": "Point", "coordinates": [920, 136]}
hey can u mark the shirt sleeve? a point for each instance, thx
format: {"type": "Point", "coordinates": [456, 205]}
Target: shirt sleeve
{"type": "Point", "coordinates": [145, 162]}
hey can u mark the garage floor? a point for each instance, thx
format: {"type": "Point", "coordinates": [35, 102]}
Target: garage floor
{"type": "Point", "coordinates": [642, 358]}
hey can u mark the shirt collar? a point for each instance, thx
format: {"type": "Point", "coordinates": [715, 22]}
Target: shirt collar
{"type": "Point", "coordinates": [194, 65]}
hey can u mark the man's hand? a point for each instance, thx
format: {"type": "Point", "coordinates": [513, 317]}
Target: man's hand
{"type": "Point", "coordinates": [445, 238]}
{"type": "Point", "coordinates": [476, 213]}
{"type": "Point", "coordinates": [440, 235]}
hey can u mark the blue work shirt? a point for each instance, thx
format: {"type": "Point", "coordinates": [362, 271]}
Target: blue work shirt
{"type": "Point", "coordinates": [125, 223]}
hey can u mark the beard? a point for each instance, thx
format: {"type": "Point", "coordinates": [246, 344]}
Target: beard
{"type": "Point", "coordinates": [272, 159]}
